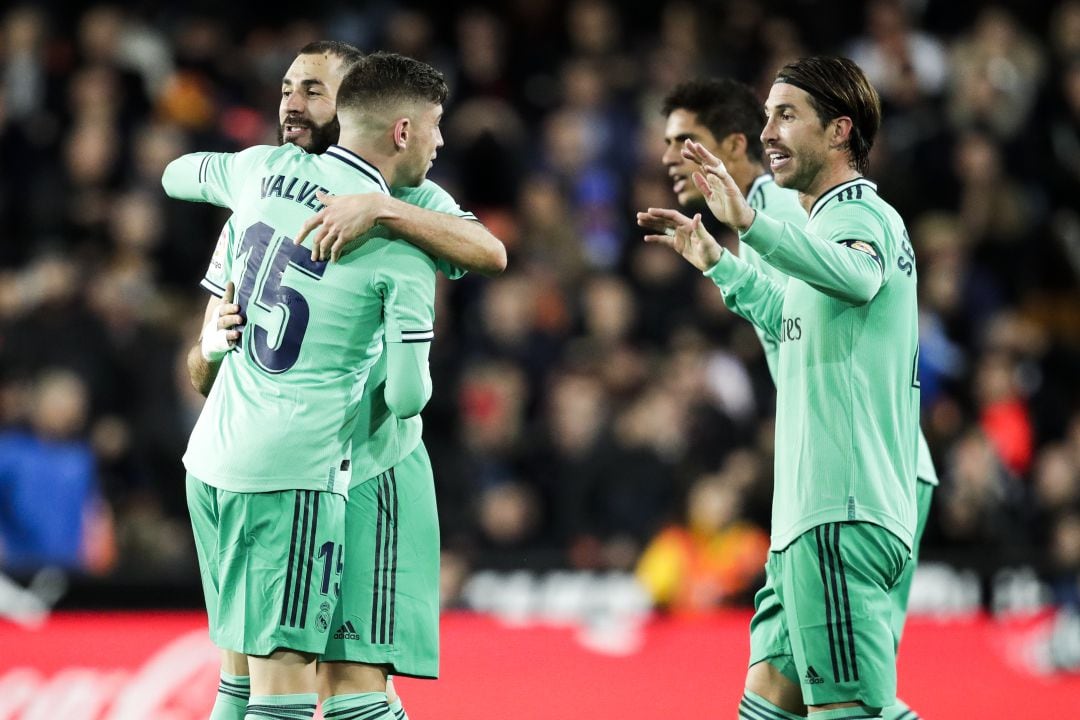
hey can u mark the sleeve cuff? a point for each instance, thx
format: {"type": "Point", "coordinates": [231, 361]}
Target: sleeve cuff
{"type": "Point", "coordinates": [763, 234]}
{"type": "Point", "coordinates": [726, 270]}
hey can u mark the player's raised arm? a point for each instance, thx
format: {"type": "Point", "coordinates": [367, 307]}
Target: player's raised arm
{"type": "Point", "coordinates": [210, 177]}
{"type": "Point", "coordinates": [850, 268]}
{"type": "Point", "coordinates": [450, 234]}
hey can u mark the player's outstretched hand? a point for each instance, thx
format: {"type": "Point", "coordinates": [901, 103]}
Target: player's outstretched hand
{"type": "Point", "coordinates": [339, 225]}
{"type": "Point", "coordinates": [684, 235]}
{"type": "Point", "coordinates": [722, 195]}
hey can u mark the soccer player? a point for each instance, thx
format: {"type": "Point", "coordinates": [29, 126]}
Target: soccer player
{"type": "Point", "coordinates": [382, 440]}
{"type": "Point", "coordinates": [844, 508]}
{"type": "Point", "coordinates": [276, 433]}
{"type": "Point", "coordinates": [725, 117]}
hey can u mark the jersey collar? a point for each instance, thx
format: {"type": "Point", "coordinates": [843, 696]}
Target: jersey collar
{"type": "Point", "coordinates": [758, 182]}
{"type": "Point", "coordinates": [355, 161]}
{"type": "Point", "coordinates": [837, 189]}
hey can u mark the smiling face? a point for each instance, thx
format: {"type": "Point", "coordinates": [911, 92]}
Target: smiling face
{"type": "Point", "coordinates": [681, 126]}
{"type": "Point", "coordinates": [307, 115]}
{"type": "Point", "coordinates": [796, 144]}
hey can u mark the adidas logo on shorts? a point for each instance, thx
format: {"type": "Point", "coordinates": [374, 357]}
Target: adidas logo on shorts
{"type": "Point", "coordinates": [812, 678]}
{"type": "Point", "coordinates": [346, 632]}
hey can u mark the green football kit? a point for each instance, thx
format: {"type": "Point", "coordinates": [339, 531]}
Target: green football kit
{"type": "Point", "coordinates": [783, 204]}
{"type": "Point", "coordinates": [280, 416]}
{"type": "Point", "coordinates": [388, 613]}
{"type": "Point", "coordinates": [844, 511]}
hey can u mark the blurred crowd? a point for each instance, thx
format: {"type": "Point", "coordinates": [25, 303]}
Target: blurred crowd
{"type": "Point", "coordinates": [595, 407]}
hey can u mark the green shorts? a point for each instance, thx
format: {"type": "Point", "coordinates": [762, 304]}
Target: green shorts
{"type": "Point", "coordinates": [824, 616]}
{"type": "Point", "coordinates": [270, 565]}
{"type": "Point", "coordinates": [389, 608]}
{"type": "Point", "coordinates": [924, 493]}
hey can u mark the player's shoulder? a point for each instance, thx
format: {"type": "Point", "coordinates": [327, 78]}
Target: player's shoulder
{"type": "Point", "coordinates": [854, 202]}
{"type": "Point", "coordinates": [429, 195]}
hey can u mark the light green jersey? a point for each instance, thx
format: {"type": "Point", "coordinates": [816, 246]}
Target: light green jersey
{"type": "Point", "coordinates": [282, 410]}
{"type": "Point", "coordinates": [780, 204]}
{"type": "Point", "coordinates": [381, 439]}
{"type": "Point", "coordinates": [847, 394]}
{"type": "Point", "coordinates": [783, 204]}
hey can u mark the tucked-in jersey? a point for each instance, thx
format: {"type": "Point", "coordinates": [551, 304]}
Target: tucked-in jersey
{"type": "Point", "coordinates": [783, 204]}
{"type": "Point", "coordinates": [282, 411]}
{"type": "Point", "coordinates": [847, 393]}
{"type": "Point", "coordinates": [382, 439]}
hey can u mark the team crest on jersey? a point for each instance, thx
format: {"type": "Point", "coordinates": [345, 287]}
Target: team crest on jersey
{"type": "Point", "coordinates": [322, 622]}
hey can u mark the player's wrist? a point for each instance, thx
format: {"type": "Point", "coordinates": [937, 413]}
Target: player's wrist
{"type": "Point", "coordinates": [744, 223]}
{"type": "Point", "coordinates": [214, 343]}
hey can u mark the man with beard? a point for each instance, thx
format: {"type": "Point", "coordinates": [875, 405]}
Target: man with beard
{"type": "Point", "coordinates": [387, 451]}
{"type": "Point", "coordinates": [725, 117]}
{"type": "Point", "coordinates": [823, 639]}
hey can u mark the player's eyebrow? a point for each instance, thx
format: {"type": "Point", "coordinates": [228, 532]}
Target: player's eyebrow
{"type": "Point", "coordinates": [780, 107]}
{"type": "Point", "coordinates": [307, 82]}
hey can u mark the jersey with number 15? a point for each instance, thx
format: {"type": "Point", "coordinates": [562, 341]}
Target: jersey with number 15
{"type": "Point", "coordinates": [282, 410]}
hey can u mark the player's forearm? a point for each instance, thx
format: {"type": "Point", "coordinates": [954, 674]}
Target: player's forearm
{"type": "Point", "coordinates": [201, 371]}
{"type": "Point", "coordinates": [408, 379]}
{"type": "Point", "coordinates": [749, 294]}
{"type": "Point", "coordinates": [834, 269]}
{"type": "Point", "coordinates": [465, 243]}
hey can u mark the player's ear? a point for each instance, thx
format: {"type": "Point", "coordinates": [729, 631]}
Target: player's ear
{"type": "Point", "coordinates": [402, 128]}
{"type": "Point", "coordinates": [841, 130]}
{"type": "Point", "coordinates": [733, 145]}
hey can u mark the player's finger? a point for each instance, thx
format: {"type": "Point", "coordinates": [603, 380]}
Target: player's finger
{"type": "Point", "coordinates": [232, 336]}
{"type": "Point", "coordinates": [230, 292]}
{"type": "Point", "coordinates": [323, 197]}
{"type": "Point", "coordinates": [317, 240]}
{"type": "Point", "coordinates": [703, 185]}
{"type": "Point", "coordinates": [310, 224]}
{"type": "Point", "coordinates": [669, 216]}
{"type": "Point", "coordinates": [668, 240]}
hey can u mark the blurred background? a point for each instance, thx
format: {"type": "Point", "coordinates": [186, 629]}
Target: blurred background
{"type": "Point", "coordinates": [597, 403]}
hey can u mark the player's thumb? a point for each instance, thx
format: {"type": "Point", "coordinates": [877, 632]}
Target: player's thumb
{"type": "Point", "coordinates": [230, 291]}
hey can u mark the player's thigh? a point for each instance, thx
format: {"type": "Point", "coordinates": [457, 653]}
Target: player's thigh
{"type": "Point", "coordinates": [389, 609]}
{"type": "Point", "coordinates": [768, 627]}
{"type": "Point", "coordinates": [901, 592]}
{"type": "Point", "coordinates": [281, 557]}
{"type": "Point", "coordinates": [203, 511]}
{"type": "Point", "coordinates": [835, 592]}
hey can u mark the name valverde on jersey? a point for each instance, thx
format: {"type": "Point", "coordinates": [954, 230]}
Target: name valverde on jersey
{"type": "Point", "coordinates": [282, 411]}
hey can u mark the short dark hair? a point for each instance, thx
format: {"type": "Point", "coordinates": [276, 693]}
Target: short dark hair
{"type": "Point", "coordinates": [383, 77]}
{"type": "Point", "coordinates": [722, 105]}
{"type": "Point", "coordinates": [349, 54]}
{"type": "Point", "coordinates": [838, 88]}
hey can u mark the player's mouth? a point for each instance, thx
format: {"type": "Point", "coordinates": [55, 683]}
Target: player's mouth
{"type": "Point", "coordinates": [678, 183]}
{"type": "Point", "coordinates": [778, 159]}
{"type": "Point", "coordinates": [290, 131]}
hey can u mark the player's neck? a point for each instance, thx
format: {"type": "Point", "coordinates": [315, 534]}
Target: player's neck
{"type": "Point", "coordinates": [365, 147]}
{"type": "Point", "coordinates": [831, 175]}
{"type": "Point", "coordinates": [750, 172]}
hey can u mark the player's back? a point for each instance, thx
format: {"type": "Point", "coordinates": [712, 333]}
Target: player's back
{"type": "Point", "coordinates": [281, 412]}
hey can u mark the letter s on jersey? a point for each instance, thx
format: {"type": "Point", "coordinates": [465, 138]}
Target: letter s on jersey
{"type": "Point", "coordinates": [790, 329]}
